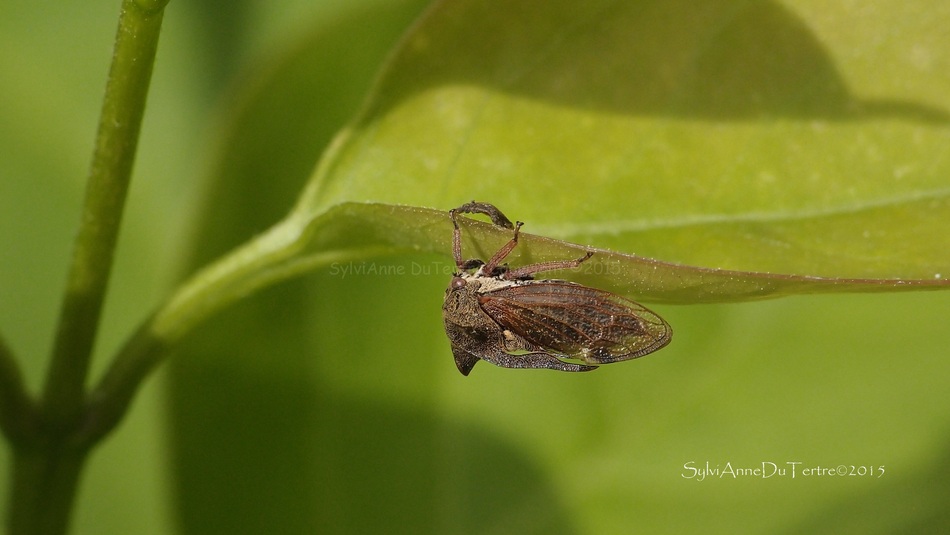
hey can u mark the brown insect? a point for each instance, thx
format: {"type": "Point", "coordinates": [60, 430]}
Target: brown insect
{"type": "Point", "coordinates": [506, 317]}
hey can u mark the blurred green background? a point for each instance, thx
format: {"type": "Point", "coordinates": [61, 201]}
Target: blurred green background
{"type": "Point", "coordinates": [331, 403]}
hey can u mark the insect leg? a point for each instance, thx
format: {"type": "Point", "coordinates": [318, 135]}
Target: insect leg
{"type": "Point", "coordinates": [497, 218]}
{"type": "Point", "coordinates": [525, 272]}
{"type": "Point", "coordinates": [503, 252]}
{"type": "Point", "coordinates": [456, 240]}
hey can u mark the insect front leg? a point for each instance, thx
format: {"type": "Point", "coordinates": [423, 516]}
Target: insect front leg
{"type": "Point", "coordinates": [461, 265]}
{"type": "Point", "coordinates": [456, 240]}
{"type": "Point", "coordinates": [497, 218]}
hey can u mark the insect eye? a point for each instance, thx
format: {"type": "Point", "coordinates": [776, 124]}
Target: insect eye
{"type": "Point", "coordinates": [458, 282]}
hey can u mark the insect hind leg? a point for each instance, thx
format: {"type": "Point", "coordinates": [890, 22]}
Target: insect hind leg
{"type": "Point", "coordinates": [526, 272]}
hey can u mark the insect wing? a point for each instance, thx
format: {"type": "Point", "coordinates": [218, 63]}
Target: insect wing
{"type": "Point", "coordinates": [592, 325]}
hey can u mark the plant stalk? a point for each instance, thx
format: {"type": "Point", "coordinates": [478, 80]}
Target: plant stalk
{"type": "Point", "coordinates": [106, 188]}
{"type": "Point", "coordinates": [47, 459]}
{"type": "Point", "coordinates": [18, 418]}
{"type": "Point", "coordinates": [44, 489]}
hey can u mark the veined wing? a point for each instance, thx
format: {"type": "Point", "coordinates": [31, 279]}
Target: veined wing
{"type": "Point", "coordinates": [592, 325]}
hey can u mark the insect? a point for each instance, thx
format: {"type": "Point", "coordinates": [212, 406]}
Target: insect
{"type": "Point", "coordinates": [504, 316]}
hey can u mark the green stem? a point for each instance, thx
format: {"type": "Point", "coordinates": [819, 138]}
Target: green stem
{"type": "Point", "coordinates": [44, 489]}
{"type": "Point", "coordinates": [109, 176]}
{"type": "Point", "coordinates": [47, 460]}
{"type": "Point", "coordinates": [268, 258]}
{"type": "Point", "coordinates": [18, 418]}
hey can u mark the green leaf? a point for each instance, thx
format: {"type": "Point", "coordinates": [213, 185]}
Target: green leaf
{"type": "Point", "coordinates": [362, 231]}
{"type": "Point", "coordinates": [331, 403]}
{"type": "Point", "coordinates": [746, 136]}
{"type": "Point", "coordinates": [758, 165]}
